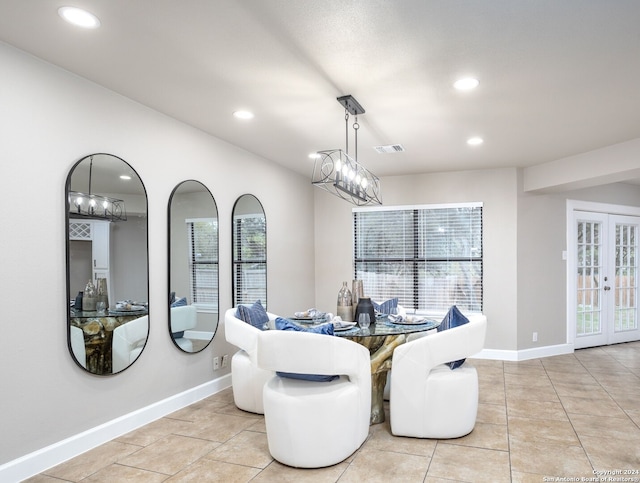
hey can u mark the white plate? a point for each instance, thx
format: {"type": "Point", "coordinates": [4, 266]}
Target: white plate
{"type": "Point", "coordinates": [344, 326]}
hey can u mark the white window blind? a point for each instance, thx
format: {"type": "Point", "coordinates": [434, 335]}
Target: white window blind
{"type": "Point", "coordinates": [430, 257]}
{"type": "Point", "coordinates": [250, 259]}
{"type": "Point", "coordinates": [203, 262]}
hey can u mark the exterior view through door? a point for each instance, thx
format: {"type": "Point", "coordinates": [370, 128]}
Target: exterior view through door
{"type": "Point", "coordinates": [603, 268]}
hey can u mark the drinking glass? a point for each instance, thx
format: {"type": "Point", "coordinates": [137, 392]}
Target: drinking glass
{"type": "Point", "coordinates": [101, 307]}
{"type": "Point", "coordinates": [364, 321]}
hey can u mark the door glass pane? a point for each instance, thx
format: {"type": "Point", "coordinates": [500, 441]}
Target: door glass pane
{"type": "Point", "coordinates": [588, 320]}
{"type": "Point", "coordinates": [625, 281]}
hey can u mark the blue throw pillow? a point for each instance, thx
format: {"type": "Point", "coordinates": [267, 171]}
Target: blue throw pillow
{"type": "Point", "coordinates": [254, 314]}
{"type": "Point", "coordinates": [327, 329]}
{"type": "Point", "coordinates": [285, 324]}
{"type": "Point", "coordinates": [385, 307]}
{"type": "Point", "coordinates": [180, 302]}
{"type": "Point", "coordinates": [454, 318]}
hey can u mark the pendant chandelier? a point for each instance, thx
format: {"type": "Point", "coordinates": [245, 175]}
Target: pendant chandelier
{"type": "Point", "coordinates": [340, 174]}
{"type": "Point", "coordinates": [92, 206]}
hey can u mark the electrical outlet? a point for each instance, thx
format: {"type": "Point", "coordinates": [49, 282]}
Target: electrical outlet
{"type": "Point", "coordinates": [216, 363]}
{"type": "Point", "coordinates": [535, 337]}
{"type": "Point", "coordinates": [225, 360]}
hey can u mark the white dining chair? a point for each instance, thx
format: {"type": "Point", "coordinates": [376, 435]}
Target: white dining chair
{"type": "Point", "coordinates": [183, 318]}
{"type": "Point", "coordinates": [247, 379]}
{"type": "Point", "coordinates": [313, 424]}
{"type": "Point", "coordinates": [128, 341]}
{"type": "Point", "coordinates": [428, 399]}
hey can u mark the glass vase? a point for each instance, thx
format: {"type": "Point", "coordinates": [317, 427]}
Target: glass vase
{"type": "Point", "coordinates": [345, 304]}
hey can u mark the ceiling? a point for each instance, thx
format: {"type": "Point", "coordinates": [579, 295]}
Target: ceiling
{"type": "Point", "coordinates": [557, 78]}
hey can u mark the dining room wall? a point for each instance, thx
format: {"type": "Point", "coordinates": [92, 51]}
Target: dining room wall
{"type": "Point", "coordinates": [542, 271]}
{"type": "Point", "coordinates": [495, 188]}
{"type": "Point", "coordinates": [48, 121]}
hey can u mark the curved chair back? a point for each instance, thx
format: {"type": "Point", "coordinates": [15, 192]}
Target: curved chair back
{"type": "Point", "coordinates": [77, 345]}
{"type": "Point", "coordinates": [247, 378]}
{"type": "Point", "coordinates": [309, 353]}
{"type": "Point", "coordinates": [312, 424]}
{"type": "Point", "coordinates": [428, 399]}
{"type": "Point", "coordinates": [449, 345]}
{"type": "Point", "coordinates": [128, 341]}
{"type": "Point", "coordinates": [242, 335]}
{"type": "Point", "coordinates": [183, 318]}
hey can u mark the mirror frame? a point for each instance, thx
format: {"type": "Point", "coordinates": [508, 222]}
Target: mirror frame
{"type": "Point", "coordinates": [68, 259]}
{"type": "Point", "coordinates": [233, 236]}
{"type": "Point", "coordinates": [169, 265]}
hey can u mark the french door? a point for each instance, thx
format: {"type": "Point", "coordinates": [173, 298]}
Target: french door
{"type": "Point", "coordinates": [605, 258]}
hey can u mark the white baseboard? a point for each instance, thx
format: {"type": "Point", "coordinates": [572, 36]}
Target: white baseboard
{"type": "Point", "coordinates": [525, 354]}
{"type": "Point", "coordinates": [45, 458]}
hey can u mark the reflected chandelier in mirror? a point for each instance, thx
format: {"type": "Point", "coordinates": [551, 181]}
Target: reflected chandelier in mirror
{"type": "Point", "coordinates": [107, 264]}
{"type": "Point", "coordinates": [193, 266]}
{"type": "Point", "coordinates": [249, 245]}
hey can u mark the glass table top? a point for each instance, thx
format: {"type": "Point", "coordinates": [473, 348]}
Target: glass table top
{"type": "Point", "coordinates": [382, 326]}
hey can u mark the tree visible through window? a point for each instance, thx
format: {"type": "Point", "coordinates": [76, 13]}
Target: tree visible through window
{"type": "Point", "coordinates": [203, 262]}
{"type": "Point", "coordinates": [430, 257]}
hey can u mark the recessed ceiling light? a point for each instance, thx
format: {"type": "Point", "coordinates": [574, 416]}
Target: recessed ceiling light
{"type": "Point", "coordinates": [125, 177]}
{"type": "Point", "coordinates": [314, 156]}
{"type": "Point", "coordinates": [243, 115]}
{"type": "Point", "coordinates": [475, 141]}
{"type": "Point", "coordinates": [79, 17]}
{"type": "Point", "coordinates": [466, 84]}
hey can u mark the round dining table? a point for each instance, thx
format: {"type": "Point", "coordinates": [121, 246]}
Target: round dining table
{"type": "Point", "coordinates": [381, 338]}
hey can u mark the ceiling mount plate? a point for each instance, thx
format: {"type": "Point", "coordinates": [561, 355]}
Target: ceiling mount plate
{"type": "Point", "coordinates": [351, 105]}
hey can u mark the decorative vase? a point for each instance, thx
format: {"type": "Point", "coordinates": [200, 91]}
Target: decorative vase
{"type": "Point", "coordinates": [103, 295]}
{"type": "Point", "coordinates": [345, 305]}
{"type": "Point", "coordinates": [356, 294]}
{"type": "Point", "coordinates": [78, 305]}
{"type": "Point", "coordinates": [365, 307]}
{"type": "Point", "coordinates": [89, 299]}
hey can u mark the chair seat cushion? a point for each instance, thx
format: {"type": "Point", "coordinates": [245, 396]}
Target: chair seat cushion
{"type": "Point", "coordinates": [386, 306]}
{"type": "Point", "coordinates": [254, 314]}
{"type": "Point", "coordinates": [454, 318]}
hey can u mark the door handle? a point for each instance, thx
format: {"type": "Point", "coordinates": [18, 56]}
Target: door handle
{"type": "Point", "coordinates": [606, 287]}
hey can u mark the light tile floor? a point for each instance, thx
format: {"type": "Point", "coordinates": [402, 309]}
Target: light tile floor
{"type": "Point", "coordinates": [557, 417]}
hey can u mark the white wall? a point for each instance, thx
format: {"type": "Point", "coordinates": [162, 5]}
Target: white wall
{"type": "Point", "coordinates": [49, 120]}
{"type": "Point", "coordinates": [542, 278]}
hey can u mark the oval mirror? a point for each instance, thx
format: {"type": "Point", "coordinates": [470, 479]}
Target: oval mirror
{"type": "Point", "coordinates": [249, 244]}
{"type": "Point", "coordinates": [193, 266]}
{"type": "Point", "coordinates": [107, 264]}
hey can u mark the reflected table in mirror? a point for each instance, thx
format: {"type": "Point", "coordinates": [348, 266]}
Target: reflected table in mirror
{"type": "Point", "coordinates": [98, 335]}
{"type": "Point", "coordinates": [381, 338]}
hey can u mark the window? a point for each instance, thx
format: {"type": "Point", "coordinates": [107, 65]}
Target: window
{"type": "Point", "coordinates": [429, 256]}
{"type": "Point", "coordinates": [203, 262]}
{"type": "Point", "coordinates": [250, 258]}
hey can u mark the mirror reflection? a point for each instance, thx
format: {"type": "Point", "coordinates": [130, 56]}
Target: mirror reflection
{"type": "Point", "coordinates": [249, 244]}
{"type": "Point", "coordinates": [107, 264]}
{"type": "Point", "coordinates": [193, 266]}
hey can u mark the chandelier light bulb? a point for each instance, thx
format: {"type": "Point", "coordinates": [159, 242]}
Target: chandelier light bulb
{"type": "Point", "coordinates": [338, 165]}
{"type": "Point", "coordinates": [364, 183]}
